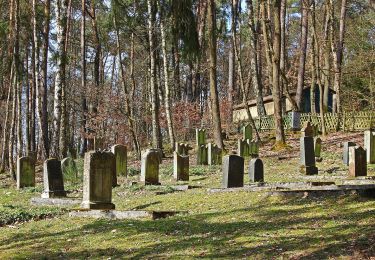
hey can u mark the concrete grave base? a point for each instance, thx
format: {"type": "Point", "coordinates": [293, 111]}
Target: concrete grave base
{"type": "Point", "coordinates": [117, 214]}
{"type": "Point", "coordinates": [98, 205]}
{"type": "Point", "coordinates": [37, 201]}
{"type": "Point", "coordinates": [309, 170]}
{"type": "Point", "coordinates": [53, 194]}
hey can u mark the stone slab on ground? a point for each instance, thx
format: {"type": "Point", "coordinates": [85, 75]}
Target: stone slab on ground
{"type": "Point", "coordinates": [37, 201]}
{"type": "Point", "coordinates": [119, 214]}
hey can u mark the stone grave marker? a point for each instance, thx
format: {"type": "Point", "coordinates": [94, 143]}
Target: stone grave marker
{"type": "Point", "coordinates": [120, 153]}
{"type": "Point", "coordinates": [369, 141]}
{"type": "Point", "coordinates": [233, 171]}
{"type": "Point", "coordinates": [318, 148]}
{"type": "Point", "coordinates": [33, 155]}
{"type": "Point", "coordinates": [345, 155]}
{"type": "Point", "coordinates": [214, 154]}
{"type": "Point", "coordinates": [180, 167]}
{"type": "Point", "coordinates": [53, 179]}
{"type": "Point", "coordinates": [99, 168]}
{"type": "Point", "coordinates": [182, 148]}
{"type": "Point", "coordinates": [357, 161]}
{"type": "Point", "coordinates": [253, 148]}
{"type": "Point", "coordinates": [69, 165]}
{"type": "Point", "coordinates": [256, 172]}
{"type": "Point", "coordinates": [202, 155]}
{"type": "Point", "coordinates": [243, 148]}
{"type": "Point", "coordinates": [200, 136]}
{"type": "Point", "coordinates": [150, 167]}
{"type": "Point", "coordinates": [247, 131]}
{"type": "Point", "coordinates": [307, 130]}
{"type": "Point", "coordinates": [307, 156]}
{"type": "Point", "coordinates": [295, 120]}
{"type": "Point", "coordinates": [25, 172]}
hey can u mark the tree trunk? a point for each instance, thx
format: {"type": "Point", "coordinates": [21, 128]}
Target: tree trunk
{"type": "Point", "coordinates": [215, 109]}
{"type": "Point", "coordinates": [83, 147]}
{"type": "Point", "coordinates": [326, 54]}
{"type": "Point", "coordinates": [302, 52]}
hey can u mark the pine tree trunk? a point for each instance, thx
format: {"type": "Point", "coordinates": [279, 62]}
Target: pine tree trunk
{"type": "Point", "coordinates": [83, 146]}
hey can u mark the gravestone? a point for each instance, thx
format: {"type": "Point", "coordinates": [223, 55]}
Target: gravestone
{"type": "Point", "coordinates": [214, 154]}
{"type": "Point", "coordinates": [120, 153]}
{"type": "Point", "coordinates": [202, 155]}
{"type": "Point", "coordinates": [247, 131]}
{"type": "Point", "coordinates": [253, 148]}
{"type": "Point", "coordinates": [256, 172]}
{"type": "Point", "coordinates": [307, 156]}
{"type": "Point", "coordinates": [25, 172]}
{"type": "Point", "coordinates": [345, 155]}
{"type": "Point", "coordinates": [315, 128]}
{"type": "Point", "coordinates": [182, 148]}
{"type": "Point", "coordinates": [68, 165]}
{"type": "Point", "coordinates": [233, 171]}
{"type": "Point", "coordinates": [317, 148]}
{"type": "Point", "coordinates": [99, 168]}
{"type": "Point", "coordinates": [357, 161]}
{"type": "Point", "coordinates": [53, 179]}
{"type": "Point", "coordinates": [33, 155]}
{"type": "Point", "coordinates": [295, 121]}
{"type": "Point", "coordinates": [180, 167]}
{"type": "Point", "coordinates": [243, 148]}
{"type": "Point", "coordinates": [200, 136]}
{"type": "Point", "coordinates": [369, 141]}
{"type": "Point", "coordinates": [307, 130]}
{"type": "Point", "coordinates": [150, 167]}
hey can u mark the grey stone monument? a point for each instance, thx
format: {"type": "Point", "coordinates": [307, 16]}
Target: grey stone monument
{"type": "Point", "coordinates": [53, 179]}
{"type": "Point", "coordinates": [357, 161]}
{"type": "Point", "coordinates": [120, 153]}
{"type": "Point", "coordinates": [180, 167]}
{"type": "Point", "coordinates": [182, 148]}
{"type": "Point", "coordinates": [200, 136]}
{"type": "Point", "coordinates": [317, 148]}
{"type": "Point", "coordinates": [256, 172]}
{"type": "Point", "coordinates": [247, 131]}
{"type": "Point", "coordinates": [202, 155]}
{"type": "Point", "coordinates": [150, 167]}
{"type": "Point", "coordinates": [307, 130]}
{"type": "Point", "coordinates": [345, 154]}
{"type": "Point", "coordinates": [233, 171]}
{"type": "Point", "coordinates": [295, 120]}
{"type": "Point", "coordinates": [69, 165]}
{"type": "Point", "coordinates": [243, 148]}
{"type": "Point", "coordinates": [99, 168]}
{"type": "Point", "coordinates": [369, 141]}
{"type": "Point", "coordinates": [253, 147]}
{"type": "Point", "coordinates": [214, 154]}
{"type": "Point", "coordinates": [307, 156]}
{"type": "Point", "coordinates": [25, 172]}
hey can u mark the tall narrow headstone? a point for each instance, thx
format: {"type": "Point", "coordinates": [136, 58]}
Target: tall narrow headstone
{"type": "Point", "coordinates": [357, 162]}
{"type": "Point", "coordinates": [99, 168]}
{"type": "Point", "coordinates": [307, 156]}
{"type": "Point", "coordinates": [200, 136]}
{"type": "Point", "coordinates": [180, 167]}
{"type": "Point", "coordinates": [317, 147]}
{"type": "Point", "coordinates": [69, 166]}
{"type": "Point", "coordinates": [256, 172]}
{"type": "Point", "coordinates": [243, 148]}
{"type": "Point", "coordinates": [150, 167]}
{"type": "Point", "coordinates": [120, 153]}
{"type": "Point", "coordinates": [247, 132]}
{"type": "Point", "coordinates": [307, 130]}
{"type": "Point", "coordinates": [295, 121]}
{"type": "Point", "coordinates": [253, 148]}
{"type": "Point", "coordinates": [233, 171]}
{"type": "Point", "coordinates": [369, 142]}
{"type": "Point", "coordinates": [53, 179]}
{"type": "Point", "coordinates": [214, 154]}
{"type": "Point", "coordinates": [202, 155]}
{"type": "Point", "coordinates": [182, 148]}
{"type": "Point", "coordinates": [345, 154]}
{"type": "Point", "coordinates": [25, 172]}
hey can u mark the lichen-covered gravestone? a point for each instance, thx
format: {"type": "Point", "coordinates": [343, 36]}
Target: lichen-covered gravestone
{"type": "Point", "coordinates": [99, 168]}
{"type": "Point", "coordinates": [369, 142]}
{"type": "Point", "coordinates": [233, 171]}
{"type": "Point", "coordinates": [307, 153]}
{"type": "Point", "coordinates": [180, 167]}
{"type": "Point", "coordinates": [120, 153]}
{"type": "Point", "coordinates": [253, 148]}
{"type": "Point", "coordinates": [345, 154]}
{"type": "Point", "coordinates": [68, 166]}
{"type": "Point", "coordinates": [214, 154]}
{"type": "Point", "coordinates": [243, 148]}
{"type": "Point", "coordinates": [256, 172]}
{"type": "Point", "coordinates": [247, 131]}
{"type": "Point", "coordinates": [182, 149]}
{"type": "Point", "coordinates": [307, 130]}
{"type": "Point", "coordinates": [357, 162]}
{"type": "Point", "coordinates": [202, 155]}
{"type": "Point", "coordinates": [150, 167]}
{"type": "Point", "coordinates": [200, 136]}
{"type": "Point", "coordinates": [25, 172]}
{"type": "Point", "coordinates": [317, 148]}
{"type": "Point", "coordinates": [53, 179]}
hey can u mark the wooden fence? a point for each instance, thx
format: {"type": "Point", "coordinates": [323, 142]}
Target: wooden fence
{"type": "Point", "coordinates": [346, 121]}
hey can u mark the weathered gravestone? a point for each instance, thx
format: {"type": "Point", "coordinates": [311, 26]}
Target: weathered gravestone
{"type": "Point", "coordinates": [243, 148]}
{"type": "Point", "coordinates": [256, 172]}
{"type": "Point", "coordinates": [253, 148]}
{"type": "Point", "coordinates": [214, 154]}
{"type": "Point", "coordinates": [120, 153]}
{"type": "Point", "coordinates": [345, 154]}
{"type": "Point", "coordinates": [33, 155]}
{"type": "Point", "coordinates": [68, 166]}
{"type": "Point", "coordinates": [295, 120]}
{"type": "Point", "coordinates": [369, 142]}
{"type": "Point", "coordinates": [53, 179]}
{"type": "Point", "coordinates": [25, 172]}
{"type": "Point", "coordinates": [180, 167]}
{"type": "Point", "coordinates": [233, 171]}
{"type": "Point", "coordinates": [99, 168]}
{"type": "Point", "coordinates": [307, 153]}
{"type": "Point", "coordinates": [202, 155]}
{"type": "Point", "coordinates": [150, 167]}
{"type": "Point", "coordinates": [318, 148]}
{"type": "Point", "coordinates": [307, 130]}
{"type": "Point", "coordinates": [182, 148]}
{"type": "Point", "coordinates": [200, 136]}
{"type": "Point", "coordinates": [247, 131]}
{"type": "Point", "coordinates": [357, 162]}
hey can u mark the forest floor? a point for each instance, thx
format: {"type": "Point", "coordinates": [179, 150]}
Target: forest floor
{"type": "Point", "coordinates": [214, 225]}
